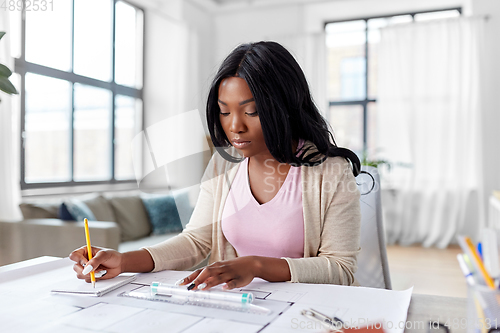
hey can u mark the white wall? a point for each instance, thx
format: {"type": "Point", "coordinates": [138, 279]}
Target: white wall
{"type": "Point", "coordinates": [203, 24]}
{"type": "Point", "coordinates": [490, 92]}
{"type": "Point", "coordinates": [252, 25]}
{"type": "Point", "coordinates": [175, 80]}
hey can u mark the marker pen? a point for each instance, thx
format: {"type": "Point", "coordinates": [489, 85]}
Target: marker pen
{"type": "Point", "coordinates": [158, 288]}
{"type": "Point", "coordinates": [469, 277]}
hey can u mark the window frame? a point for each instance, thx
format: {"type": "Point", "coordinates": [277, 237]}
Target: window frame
{"type": "Point", "coordinates": [364, 102]}
{"type": "Point", "coordinates": [21, 67]}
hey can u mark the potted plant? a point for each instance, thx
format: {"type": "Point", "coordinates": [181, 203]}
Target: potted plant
{"type": "Point", "coordinates": [374, 163]}
{"type": "Point", "coordinates": [5, 84]}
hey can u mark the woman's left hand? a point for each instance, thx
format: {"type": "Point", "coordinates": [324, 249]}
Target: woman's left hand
{"type": "Point", "coordinates": [234, 273]}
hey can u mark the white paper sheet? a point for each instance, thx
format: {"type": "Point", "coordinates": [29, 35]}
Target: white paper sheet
{"type": "Point", "coordinates": [169, 277]}
{"type": "Point", "coordinates": [100, 316]}
{"type": "Point", "coordinates": [102, 287]}
{"type": "Point", "coordinates": [222, 326]}
{"type": "Point", "coordinates": [31, 316]}
{"type": "Point", "coordinates": [370, 305]}
{"type": "Point", "coordinates": [60, 328]}
{"type": "Point", "coordinates": [261, 319]}
{"type": "Point", "coordinates": [154, 321]}
{"type": "Point", "coordinates": [356, 306]}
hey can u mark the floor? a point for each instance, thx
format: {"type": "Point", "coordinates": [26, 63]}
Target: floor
{"type": "Point", "coordinates": [429, 270]}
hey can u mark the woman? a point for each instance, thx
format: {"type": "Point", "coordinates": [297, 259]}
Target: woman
{"type": "Point", "coordinates": [281, 203]}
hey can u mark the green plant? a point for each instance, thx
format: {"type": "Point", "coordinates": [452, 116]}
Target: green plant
{"type": "Point", "coordinates": [5, 85]}
{"type": "Point", "coordinates": [374, 163]}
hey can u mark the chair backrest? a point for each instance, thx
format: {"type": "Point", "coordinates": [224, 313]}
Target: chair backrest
{"type": "Point", "coordinates": [373, 267]}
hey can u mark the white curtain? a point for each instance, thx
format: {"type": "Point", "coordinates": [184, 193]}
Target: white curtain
{"type": "Point", "coordinates": [429, 120]}
{"type": "Point", "coordinates": [9, 161]}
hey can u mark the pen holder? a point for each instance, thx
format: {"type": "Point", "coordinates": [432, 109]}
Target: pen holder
{"type": "Point", "coordinates": [483, 309]}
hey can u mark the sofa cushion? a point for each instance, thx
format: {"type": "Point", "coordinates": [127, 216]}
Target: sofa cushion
{"type": "Point", "coordinates": [39, 211]}
{"type": "Point", "coordinates": [131, 216]}
{"type": "Point", "coordinates": [100, 206]}
{"type": "Point", "coordinates": [79, 210]}
{"type": "Point", "coordinates": [64, 213]}
{"type": "Point", "coordinates": [163, 214]}
{"type": "Point", "coordinates": [96, 204]}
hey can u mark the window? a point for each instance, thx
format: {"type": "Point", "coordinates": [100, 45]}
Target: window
{"type": "Point", "coordinates": [352, 76]}
{"type": "Point", "coordinates": [80, 65]}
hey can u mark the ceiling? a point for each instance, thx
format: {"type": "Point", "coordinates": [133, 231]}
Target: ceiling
{"type": "Point", "coordinates": [238, 4]}
{"type": "Point", "coordinates": [225, 2]}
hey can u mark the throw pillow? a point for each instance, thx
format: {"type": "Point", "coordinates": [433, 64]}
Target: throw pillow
{"type": "Point", "coordinates": [100, 206]}
{"type": "Point", "coordinates": [64, 213]}
{"type": "Point", "coordinates": [131, 216]}
{"type": "Point", "coordinates": [79, 210]}
{"type": "Point", "coordinates": [163, 214]}
{"type": "Point", "coordinates": [39, 211]}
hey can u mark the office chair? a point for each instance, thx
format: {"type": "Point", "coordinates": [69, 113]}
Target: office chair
{"type": "Point", "coordinates": [373, 267]}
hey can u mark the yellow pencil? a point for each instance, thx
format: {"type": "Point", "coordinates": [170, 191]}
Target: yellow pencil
{"type": "Point", "coordinates": [479, 262]}
{"type": "Point", "coordinates": [480, 315]}
{"type": "Point", "coordinates": [89, 249]}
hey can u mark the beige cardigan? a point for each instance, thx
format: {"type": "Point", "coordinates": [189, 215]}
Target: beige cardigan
{"type": "Point", "coordinates": [332, 221]}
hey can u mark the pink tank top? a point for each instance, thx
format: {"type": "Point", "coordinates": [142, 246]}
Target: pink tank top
{"type": "Point", "coordinates": [273, 229]}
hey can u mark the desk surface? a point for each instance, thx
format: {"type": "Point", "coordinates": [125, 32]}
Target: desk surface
{"type": "Point", "coordinates": [435, 308]}
{"type": "Point", "coordinates": [26, 263]}
{"type": "Point", "coordinates": [423, 308]}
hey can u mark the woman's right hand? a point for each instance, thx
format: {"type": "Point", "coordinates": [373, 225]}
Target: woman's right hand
{"type": "Point", "coordinates": [102, 259]}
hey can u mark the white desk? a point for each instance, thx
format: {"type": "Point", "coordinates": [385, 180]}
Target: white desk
{"type": "Point", "coordinates": [422, 307]}
{"type": "Point", "coordinates": [436, 308]}
{"type": "Point", "coordinates": [26, 263]}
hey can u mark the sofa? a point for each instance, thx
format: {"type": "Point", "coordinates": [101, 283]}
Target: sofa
{"type": "Point", "coordinates": [123, 221]}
